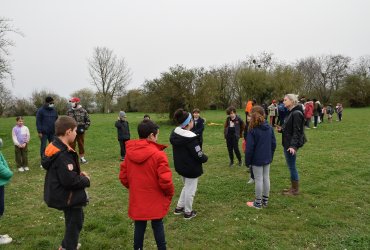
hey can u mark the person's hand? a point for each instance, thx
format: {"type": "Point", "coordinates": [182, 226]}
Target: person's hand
{"type": "Point", "coordinates": [278, 128]}
{"type": "Point", "coordinates": [85, 174]}
{"type": "Point", "coordinates": [40, 135]}
{"type": "Point", "coordinates": [292, 151]}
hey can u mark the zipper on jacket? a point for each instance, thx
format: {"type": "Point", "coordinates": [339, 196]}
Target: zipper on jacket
{"type": "Point", "coordinates": [69, 198]}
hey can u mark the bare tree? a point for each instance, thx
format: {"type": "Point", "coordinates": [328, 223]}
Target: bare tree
{"type": "Point", "coordinates": [5, 44]}
{"type": "Point", "coordinates": [6, 99]}
{"type": "Point", "coordinates": [109, 75]}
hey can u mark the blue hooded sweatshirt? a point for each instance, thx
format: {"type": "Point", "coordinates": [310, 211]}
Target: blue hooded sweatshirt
{"type": "Point", "coordinates": [261, 144]}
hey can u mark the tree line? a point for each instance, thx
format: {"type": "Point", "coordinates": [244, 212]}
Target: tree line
{"type": "Point", "coordinates": [328, 78]}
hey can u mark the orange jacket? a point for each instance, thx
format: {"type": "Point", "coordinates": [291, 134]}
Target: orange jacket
{"type": "Point", "coordinates": [249, 106]}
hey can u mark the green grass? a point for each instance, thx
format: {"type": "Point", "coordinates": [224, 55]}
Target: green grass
{"type": "Point", "coordinates": [331, 213]}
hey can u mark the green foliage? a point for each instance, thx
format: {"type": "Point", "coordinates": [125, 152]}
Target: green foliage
{"type": "Point", "coordinates": [332, 211]}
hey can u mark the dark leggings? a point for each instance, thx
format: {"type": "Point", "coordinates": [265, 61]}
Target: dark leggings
{"type": "Point", "coordinates": [233, 146]}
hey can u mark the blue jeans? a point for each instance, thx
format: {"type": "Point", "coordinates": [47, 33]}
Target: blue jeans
{"type": "Point", "coordinates": [44, 139]}
{"type": "Point", "coordinates": [158, 230]}
{"type": "Point", "coordinates": [291, 162]}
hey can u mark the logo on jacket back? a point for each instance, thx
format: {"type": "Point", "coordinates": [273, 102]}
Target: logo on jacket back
{"type": "Point", "coordinates": [70, 167]}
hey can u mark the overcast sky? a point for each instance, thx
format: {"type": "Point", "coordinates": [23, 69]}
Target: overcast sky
{"type": "Point", "coordinates": [153, 35]}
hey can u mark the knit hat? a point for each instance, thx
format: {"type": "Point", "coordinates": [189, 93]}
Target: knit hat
{"type": "Point", "coordinates": [122, 114]}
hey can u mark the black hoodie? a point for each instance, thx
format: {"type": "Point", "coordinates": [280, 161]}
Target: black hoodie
{"type": "Point", "coordinates": [64, 186]}
{"type": "Point", "coordinates": [293, 129]}
{"type": "Point", "coordinates": [187, 153]}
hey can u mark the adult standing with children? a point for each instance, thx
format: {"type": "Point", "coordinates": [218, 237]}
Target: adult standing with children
{"type": "Point", "coordinates": [198, 127]}
{"type": "Point", "coordinates": [147, 175]}
{"type": "Point", "coordinates": [83, 123]}
{"type": "Point", "coordinates": [45, 123]}
{"type": "Point", "coordinates": [188, 158]}
{"type": "Point", "coordinates": [293, 138]}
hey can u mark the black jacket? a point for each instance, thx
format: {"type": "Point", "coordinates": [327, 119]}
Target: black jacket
{"type": "Point", "coordinates": [64, 186]}
{"type": "Point", "coordinates": [198, 128]}
{"type": "Point", "coordinates": [293, 129]}
{"type": "Point", "coordinates": [123, 130]}
{"type": "Point", "coordinates": [187, 153]}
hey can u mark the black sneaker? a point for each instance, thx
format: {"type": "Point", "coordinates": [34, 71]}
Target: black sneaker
{"type": "Point", "coordinates": [189, 216]}
{"type": "Point", "coordinates": [179, 211]}
{"type": "Point", "coordinates": [231, 164]}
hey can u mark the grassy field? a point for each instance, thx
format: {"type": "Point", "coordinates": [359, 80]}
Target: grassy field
{"type": "Point", "coordinates": [331, 213]}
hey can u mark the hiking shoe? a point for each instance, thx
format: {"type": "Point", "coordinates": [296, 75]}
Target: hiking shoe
{"type": "Point", "coordinates": [254, 204]}
{"type": "Point", "coordinates": [179, 211]}
{"type": "Point", "coordinates": [21, 169]}
{"type": "Point", "coordinates": [26, 169]}
{"type": "Point", "coordinates": [189, 216]}
{"type": "Point", "coordinates": [83, 160]}
{"type": "Point", "coordinates": [251, 181]}
{"type": "Point", "coordinates": [5, 239]}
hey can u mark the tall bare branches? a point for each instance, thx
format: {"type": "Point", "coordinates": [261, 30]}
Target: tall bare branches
{"type": "Point", "coordinates": [108, 74]}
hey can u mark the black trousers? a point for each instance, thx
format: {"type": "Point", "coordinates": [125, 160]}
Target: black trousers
{"type": "Point", "coordinates": [158, 231]}
{"type": "Point", "coordinates": [74, 218]}
{"type": "Point", "coordinates": [232, 143]}
{"type": "Point", "coordinates": [123, 148]}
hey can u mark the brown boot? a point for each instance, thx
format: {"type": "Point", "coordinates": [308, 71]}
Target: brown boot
{"type": "Point", "coordinates": [286, 190]}
{"type": "Point", "coordinates": [294, 190]}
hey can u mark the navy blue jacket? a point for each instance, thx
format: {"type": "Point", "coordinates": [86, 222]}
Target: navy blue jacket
{"type": "Point", "coordinates": [123, 130]}
{"type": "Point", "coordinates": [45, 120]}
{"type": "Point", "coordinates": [198, 129]}
{"type": "Point", "coordinates": [261, 144]}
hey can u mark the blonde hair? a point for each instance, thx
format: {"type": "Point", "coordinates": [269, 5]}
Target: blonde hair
{"type": "Point", "coordinates": [293, 98]}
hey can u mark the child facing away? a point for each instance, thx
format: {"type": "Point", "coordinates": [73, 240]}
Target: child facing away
{"type": "Point", "coordinates": [188, 158]}
{"type": "Point", "coordinates": [330, 112]}
{"type": "Point", "coordinates": [65, 183]}
{"type": "Point", "coordinates": [123, 132]}
{"type": "Point", "coordinates": [146, 174]}
{"type": "Point", "coordinates": [259, 154]}
{"type": "Point", "coordinates": [198, 127]}
{"type": "Point", "coordinates": [233, 130]}
{"type": "Point", "coordinates": [5, 176]}
{"type": "Point", "coordinates": [21, 137]}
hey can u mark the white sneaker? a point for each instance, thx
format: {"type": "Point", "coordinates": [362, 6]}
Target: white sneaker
{"type": "Point", "coordinates": [83, 160]}
{"type": "Point", "coordinates": [26, 169]}
{"type": "Point", "coordinates": [41, 166]}
{"type": "Point", "coordinates": [251, 181]}
{"type": "Point", "coordinates": [21, 169]}
{"type": "Point", "coordinates": [5, 239]}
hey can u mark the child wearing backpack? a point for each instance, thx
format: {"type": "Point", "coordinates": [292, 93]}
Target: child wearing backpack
{"type": "Point", "coordinates": [261, 145]}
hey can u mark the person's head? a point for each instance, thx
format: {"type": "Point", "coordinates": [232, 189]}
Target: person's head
{"type": "Point", "coordinates": [290, 101]}
{"type": "Point", "coordinates": [74, 101]}
{"type": "Point", "coordinates": [65, 126]}
{"type": "Point", "coordinates": [254, 102]}
{"type": "Point", "coordinates": [122, 115]}
{"type": "Point", "coordinates": [146, 117]}
{"type": "Point", "coordinates": [49, 101]}
{"type": "Point", "coordinates": [231, 111]}
{"type": "Point", "coordinates": [19, 120]}
{"type": "Point", "coordinates": [273, 101]}
{"type": "Point", "coordinates": [257, 116]}
{"type": "Point", "coordinates": [196, 113]}
{"type": "Point", "coordinates": [147, 129]}
{"type": "Point", "coordinates": [183, 119]}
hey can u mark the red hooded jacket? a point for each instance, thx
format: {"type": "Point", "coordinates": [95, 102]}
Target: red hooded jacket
{"type": "Point", "coordinates": [308, 110]}
{"type": "Point", "coordinates": [146, 173]}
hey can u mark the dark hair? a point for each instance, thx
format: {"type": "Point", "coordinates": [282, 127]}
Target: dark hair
{"type": "Point", "coordinates": [146, 116]}
{"type": "Point", "coordinates": [196, 110]}
{"type": "Point", "coordinates": [180, 116]}
{"type": "Point", "coordinates": [146, 127]}
{"type": "Point", "coordinates": [257, 117]}
{"type": "Point", "coordinates": [230, 109]}
{"type": "Point", "coordinates": [19, 118]}
{"type": "Point", "coordinates": [49, 99]}
{"type": "Point", "coordinates": [63, 123]}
